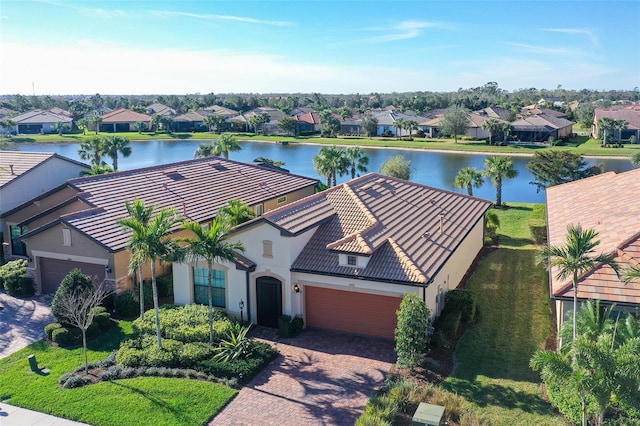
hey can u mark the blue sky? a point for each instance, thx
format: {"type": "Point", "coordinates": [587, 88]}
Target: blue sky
{"type": "Point", "coordinates": [179, 47]}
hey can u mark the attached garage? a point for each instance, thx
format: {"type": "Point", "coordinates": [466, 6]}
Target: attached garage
{"type": "Point", "coordinates": [351, 312]}
{"type": "Point", "coordinates": [53, 271]}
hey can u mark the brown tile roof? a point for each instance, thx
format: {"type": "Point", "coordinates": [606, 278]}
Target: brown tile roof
{"type": "Point", "coordinates": [197, 188]}
{"type": "Point", "coordinates": [608, 203]}
{"type": "Point", "coordinates": [541, 121]}
{"type": "Point", "coordinates": [122, 115]}
{"type": "Point", "coordinates": [22, 162]}
{"type": "Point", "coordinates": [396, 223]}
{"type": "Point", "coordinates": [630, 114]}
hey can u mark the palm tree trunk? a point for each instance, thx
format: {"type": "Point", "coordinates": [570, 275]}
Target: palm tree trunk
{"type": "Point", "coordinates": [499, 190]}
{"type": "Point", "coordinates": [155, 301]}
{"type": "Point", "coordinates": [141, 284]}
{"type": "Point", "coordinates": [115, 162]}
{"type": "Point", "coordinates": [210, 272]}
{"type": "Point", "coordinates": [575, 305]}
{"type": "Point", "coordinates": [470, 190]}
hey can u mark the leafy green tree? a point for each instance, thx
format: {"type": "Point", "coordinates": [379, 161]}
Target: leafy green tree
{"type": "Point", "coordinates": [114, 145]}
{"type": "Point", "coordinates": [61, 127]}
{"type": "Point", "coordinates": [97, 169]}
{"type": "Point", "coordinates": [237, 212]}
{"type": "Point", "coordinates": [412, 331]}
{"type": "Point", "coordinates": [256, 121]}
{"type": "Point", "coordinates": [74, 280]}
{"type": "Point", "coordinates": [491, 125]}
{"type": "Point", "coordinates": [156, 122]}
{"type": "Point", "coordinates": [92, 150]}
{"type": "Point", "coordinates": [574, 258]}
{"type": "Point", "coordinates": [506, 129]}
{"type": "Point", "coordinates": [635, 159]}
{"type": "Point", "coordinates": [212, 245]}
{"type": "Point", "coordinates": [225, 144]}
{"type": "Point", "coordinates": [214, 121]}
{"type": "Point", "coordinates": [167, 123]}
{"type": "Point", "coordinates": [330, 125]}
{"type": "Point", "coordinates": [82, 125]}
{"type": "Point", "coordinates": [397, 166]}
{"type": "Point", "coordinates": [455, 122]}
{"type": "Point", "coordinates": [554, 167]}
{"type": "Point", "coordinates": [469, 177]}
{"type": "Point", "coordinates": [137, 223]}
{"type": "Point", "coordinates": [95, 120]}
{"type": "Point", "coordinates": [411, 125]}
{"type": "Point", "coordinates": [155, 245]}
{"type": "Point", "coordinates": [289, 125]}
{"type": "Point", "coordinates": [358, 160]}
{"type": "Point", "coordinates": [140, 126]}
{"type": "Point", "coordinates": [331, 162]}
{"type": "Point", "coordinates": [497, 168]}
{"type": "Point", "coordinates": [370, 125]}
{"type": "Point", "coordinates": [7, 126]}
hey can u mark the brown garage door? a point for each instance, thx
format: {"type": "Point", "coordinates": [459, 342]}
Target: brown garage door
{"type": "Point", "coordinates": [351, 312]}
{"type": "Point", "coordinates": [52, 272]}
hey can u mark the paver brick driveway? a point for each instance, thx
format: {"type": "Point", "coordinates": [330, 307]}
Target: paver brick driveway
{"type": "Point", "coordinates": [22, 321]}
{"type": "Point", "coordinates": [319, 378]}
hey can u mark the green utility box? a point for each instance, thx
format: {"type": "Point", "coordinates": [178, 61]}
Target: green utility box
{"type": "Point", "coordinates": [428, 415]}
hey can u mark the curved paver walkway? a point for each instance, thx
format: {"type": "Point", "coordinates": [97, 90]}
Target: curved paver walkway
{"type": "Point", "coordinates": [318, 379]}
{"type": "Point", "coordinates": [22, 321]}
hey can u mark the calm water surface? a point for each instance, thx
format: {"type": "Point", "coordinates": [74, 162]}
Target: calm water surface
{"type": "Point", "coordinates": [429, 168]}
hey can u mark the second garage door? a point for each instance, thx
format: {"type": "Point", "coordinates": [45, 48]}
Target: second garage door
{"type": "Point", "coordinates": [53, 271]}
{"type": "Point", "coordinates": [351, 312]}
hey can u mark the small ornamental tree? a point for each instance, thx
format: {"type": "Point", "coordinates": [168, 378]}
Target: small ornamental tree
{"type": "Point", "coordinates": [412, 332]}
{"type": "Point", "coordinates": [74, 281]}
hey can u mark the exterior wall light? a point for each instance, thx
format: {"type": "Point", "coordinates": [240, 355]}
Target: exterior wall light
{"type": "Point", "coordinates": [296, 288]}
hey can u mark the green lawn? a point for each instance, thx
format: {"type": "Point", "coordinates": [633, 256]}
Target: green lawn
{"type": "Point", "coordinates": [138, 401]}
{"type": "Point", "coordinates": [492, 358]}
{"type": "Point", "coordinates": [581, 144]}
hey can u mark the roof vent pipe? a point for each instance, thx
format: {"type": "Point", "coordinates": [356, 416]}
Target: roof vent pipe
{"type": "Point", "coordinates": [441, 223]}
{"type": "Point", "coordinates": [11, 168]}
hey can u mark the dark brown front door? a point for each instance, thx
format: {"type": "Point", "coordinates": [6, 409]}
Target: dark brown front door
{"type": "Point", "coordinates": [269, 301]}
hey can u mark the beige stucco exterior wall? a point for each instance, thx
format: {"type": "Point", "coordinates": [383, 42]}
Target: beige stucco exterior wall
{"type": "Point", "coordinates": [273, 204]}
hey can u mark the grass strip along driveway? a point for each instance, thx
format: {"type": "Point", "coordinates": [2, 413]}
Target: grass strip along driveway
{"type": "Point", "coordinates": [137, 401]}
{"type": "Point", "coordinates": [492, 358]}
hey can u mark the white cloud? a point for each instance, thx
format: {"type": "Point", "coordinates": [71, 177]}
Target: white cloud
{"type": "Point", "coordinates": [209, 16]}
{"type": "Point", "coordinates": [546, 50]}
{"type": "Point", "coordinates": [405, 30]}
{"type": "Point", "coordinates": [578, 31]}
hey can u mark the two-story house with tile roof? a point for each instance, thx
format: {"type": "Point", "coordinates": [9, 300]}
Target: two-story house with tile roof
{"type": "Point", "coordinates": [344, 258]}
{"type": "Point", "coordinates": [75, 225]}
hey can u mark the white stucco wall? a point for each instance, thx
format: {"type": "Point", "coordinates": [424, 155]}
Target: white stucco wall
{"type": "Point", "coordinates": [37, 181]}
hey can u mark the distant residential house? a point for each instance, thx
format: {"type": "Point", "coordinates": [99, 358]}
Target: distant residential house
{"type": "Point", "coordinates": [630, 114]}
{"type": "Point", "coordinates": [352, 127]}
{"type": "Point", "coordinates": [38, 121]}
{"type": "Point", "coordinates": [158, 108]}
{"type": "Point", "coordinates": [6, 113]}
{"type": "Point", "coordinates": [60, 111]}
{"type": "Point", "coordinates": [476, 119]}
{"type": "Point", "coordinates": [219, 110]}
{"type": "Point", "coordinates": [309, 122]}
{"type": "Point", "coordinates": [271, 127]}
{"type": "Point", "coordinates": [535, 109]}
{"type": "Point", "coordinates": [75, 224]}
{"type": "Point", "coordinates": [388, 117]}
{"type": "Point", "coordinates": [609, 204]}
{"type": "Point", "coordinates": [123, 120]}
{"type": "Point", "coordinates": [541, 127]}
{"type": "Point", "coordinates": [344, 258]}
{"type": "Point", "coordinates": [553, 101]}
{"type": "Point", "coordinates": [300, 110]}
{"type": "Point", "coordinates": [188, 122]}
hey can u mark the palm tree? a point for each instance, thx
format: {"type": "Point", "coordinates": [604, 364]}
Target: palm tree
{"type": "Point", "coordinates": [491, 125]}
{"type": "Point", "coordinates": [137, 222]}
{"type": "Point", "coordinates": [97, 169]}
{"type": "Point", "coordinates": [631, 273]}
{"type": "Point", "coordinates": [606, 124]}
{"type": "Point", "coordinates": [82, 124]}
{"type": "Point", "coordinates": [266, 160]}
{"type": "Point", "coordinates": [575, 258]}
{"type": "Point", "coordinates": [411, 125]}
{"type": "Point", "coordinates": [506, 129]}
{"type": "Point", "coordinates": [140, 126]}
{"type": "Point", "coordinates": [96, 120]}
{"type": "Point", "coordinates": [212, 121]}
{"type": "Point", "coordinates": [358, 161]}
{"type": "Point", "coordinates": [60, 127]}
{"type": "Point", "coordinates": [155, 246]}
{"type": "Point", "coordinates": [330, 162]}
{"type": "Point", "coordinates": [237, 212]}
{"type": "Point", "coordinates": [226, 144]}
{"type": "Point", "coordinates": [498, 167]}
{"type": "Point", "coordinates": [92, 150]}
{"type": "Point", "coordinates": [468, 177]}
{"type": "Point", "coordinates": [212, 245]}
{"type": "Point", "coordinates": [399, 125]}
{"type": "Point", "coordinates": [113, 145]}
{"type": "Point", "coordinates": [205, 150]}
{"type": "Point", "coordinates": [620, 125]}
{"type": "Point", "coordinates": [156, 121]}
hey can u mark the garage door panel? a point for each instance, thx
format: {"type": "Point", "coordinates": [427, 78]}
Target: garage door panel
{"type": "Point", "coordinates": [53, 271]}
{"type": "Point", "coordinates": [351, 312]}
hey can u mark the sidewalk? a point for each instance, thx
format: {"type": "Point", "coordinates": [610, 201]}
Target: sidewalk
{"type": "Point", "coordinates": [15, 416]}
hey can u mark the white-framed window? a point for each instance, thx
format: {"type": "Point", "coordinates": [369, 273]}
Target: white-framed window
{"type": "Point", "coordinates": [66, 237]}
{"type": "Point", "coordinates": [201, 287]}
{"type": "Point", "coordinates": [352, 260]}
{"type": "Point", "coordinates": [259, 210]}
{"type": "Point", "coordinates": [18, 247]}
{"type": "Point", "coordinates": [267, 248]}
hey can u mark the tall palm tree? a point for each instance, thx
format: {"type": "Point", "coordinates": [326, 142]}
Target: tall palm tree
{"type": "Point", "coordinates": [574, 258]}
{"type": "Point", "coordinates": [140, 126]}
{"type": "Point", "coordinates": [114, 145]}
{"type": "Point", "coordinates": [468, 177]}
{"type": "Point", "coordinates": [498, 167]}
{"type": "Point", "coordinates": [213, 246]}
{"type": "Point", "coordinates": [358, 160]}
{"type": "Point", "coordinates": [205, 150]}
{"type": "Point", "coordinates": [606, 124]}
{"type": "Point", "coordinates": [399, 125]}
{"type": "Point", "coordinates": [96, 120]}
{"type": "Point", "coordinates": [237, 212]}
{"type": "Point", "coordinates": [137, 222]}
{"type": "Point", "coordinates": [226, 144]}
{"type": "Point", "coordinates": [93, 150]}
{"type": "Point", "coordinates": [97, 169]}
{"type": "Point", "coordinates": [330, 162]}
{"type": "Point", "coordinates": [491, 125]}
{"type": "Point", "coordinates": [411, 125]}
{"type": "Point", "coordinates": [213, 121]}
{"type": "Point", "coordinates": [155, 246]}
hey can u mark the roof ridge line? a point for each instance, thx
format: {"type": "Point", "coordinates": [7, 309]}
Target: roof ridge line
{"type": "Point", "coordinates": [406, 261]}
{"type": "Point", "coordinates": [359, 203]}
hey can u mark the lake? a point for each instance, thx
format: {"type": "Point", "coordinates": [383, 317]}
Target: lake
{"type": "Point", "coordinates": [437, 169]}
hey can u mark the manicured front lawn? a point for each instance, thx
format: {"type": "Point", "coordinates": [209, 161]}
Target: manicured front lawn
{"type": "Point", "coordinates": [138, 401]}
{"type": "Point", "coordinates": [492, 358]}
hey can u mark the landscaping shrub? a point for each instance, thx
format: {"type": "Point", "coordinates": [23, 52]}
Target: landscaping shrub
{"type": "Point", "coordinates": [297, 324]}
{"type": "Point", "coordinates": [49, 328]}
{"type": "Point", "coordinates": [130, 357]}
{"type": "Point", "coordinates": [165, 285]}
{"type": "Point", "coordinates": [234, 345]}
{"type": "Point", "coordinates": [125, 305]}
{"type": "Point", "coordinates": [192, 353]}
{"type": "Point", "coordinates": [74, 280]}
{"type": "Point", "coordinates": [102, 320]}
{"type": "Point", "coordinates": [156, 357]}
{"type": "Point", "coordinates": [387, 134]}
{"type": "Point", "coordinates": [420, 134]}
{"type": "Point", "coordinates": [64, 336]}
{"type": "Point", "coordinates": [284, 326]}
{"type": "Point", "coordinates": [412, 331]}
{"type": "Point", "coordinates": [13, 276]}
{"type": "Point", "coordinates": [242, 369]}
{"type": "Point", "coordinates": [188, 323]}
{"type": "Point", "coordinates": [74, 381]}
{"type": "Point", "coordinates": [461, 300]}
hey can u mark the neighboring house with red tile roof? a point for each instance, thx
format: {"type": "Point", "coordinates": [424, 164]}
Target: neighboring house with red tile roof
{"type": "Point", "coordinates": [122, 120]}
{"type": "Point", "coordinates": [630, 114]}
{"type": "Point", "coordinates": [38, 121]}
{"type": "Point", "coordinates": [609, 204]}
{"type": "Point", "coordinates": [74, 225]}
{"type": "Point", "coordinates": [344, 258]}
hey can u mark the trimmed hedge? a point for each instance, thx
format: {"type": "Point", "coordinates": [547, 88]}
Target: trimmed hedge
{"type": "Point", "coordinates": [13, 276]}
{"type": "Point", "coordinates": [50, 328]}
{"type": "Point", "coordinates": [66, 336]}
{"type": "Point", "coordinates": [450, 323]}
{"type": "Point", "coordinates": [126, 305]}
{"type": "Point", "coordinates": [290, 327]}
{"type": "Point", "coordinates": [188, 323]}
{"type": "Point", "coordinates": [461, 300]}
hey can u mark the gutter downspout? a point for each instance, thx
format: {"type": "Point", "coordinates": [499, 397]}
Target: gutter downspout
{"type": "Point", "coordinates": [248, 295]}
